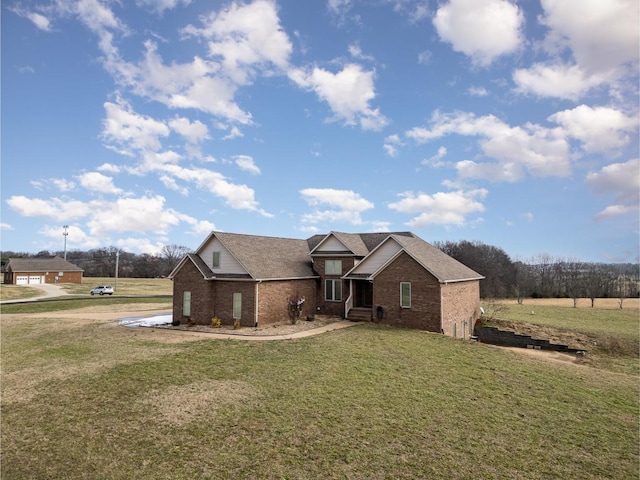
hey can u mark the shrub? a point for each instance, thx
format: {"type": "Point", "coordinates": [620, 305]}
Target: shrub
{"type": "Point", "coordinates": [236, 324]}
{"type": "Point", "coordinates": [175, 322]}
{"type": "Point", "coordinates": [215, 322]}
{"type": "Point", "coordinates": [295, 303]}
{"type": "Point", "coordinates": [192, 321]}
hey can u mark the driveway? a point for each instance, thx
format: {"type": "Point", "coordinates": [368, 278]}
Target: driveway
{"type": "Point", "coordinates": [49, 290]}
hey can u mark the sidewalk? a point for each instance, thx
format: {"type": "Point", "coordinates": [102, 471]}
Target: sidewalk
{"type": "Point", "coordinates": [305, 333]}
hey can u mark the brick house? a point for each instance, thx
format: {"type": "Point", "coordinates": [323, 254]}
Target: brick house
{"type": "Point", "coordinates": [391, 278]}
{"type": "Point", "coordinates": [34, 271]}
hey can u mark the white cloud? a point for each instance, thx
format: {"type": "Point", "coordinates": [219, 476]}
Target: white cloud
{"type": "Point", "coordinates": [39, 21]}
{"type": "Point", "coordinates": [346, 205]}
{"type": "Point", "coordinates": [202, 228]}
{"type": "Point", "coordinates": [5, 226]}
{"type": "Point", "coordinates": [63, 210]}
{"type": "Point", "coordinates": [531, 148]}
{"type": "Point", "coordinates": [600, 129]}
{"type": "Point", "coordinates": [247, 37]}
{"type": "Point", "coordinates": [602, 35]}
{"type": "Point", "coordinates": [143, 214]}
{"type": "Point", "coordinates": [76, 238]}
{"type": "Point", "coordinates": [109, 168]}
{"type": "Point", "coordinates": [622, 180]}
{"type": "Point", "coordinates": [240, 197]}
{"type": "Point", "coordinates": [130, 131]}
{"type": "Point", "coordinates": [391, 144]}
{"type": "Point", "coordinates": [441, 208]}
{"type": "Point", "coordinates": [597, 46]}
{"type": "Point", "coordinates": [97, 182]}
{"type": "Point", "coordinates": [193, 132]}
{"type": "Point", "coordinates": [477, 91]}
{"type": "Point", "coordinates": [436, 160]}
{"type": "Point", "coordinates": [347, 92]}
{"type": "Point", "coordinates": [245, 162]}
{"type": "Point", "coordinates": [556, 80]}
{"type": "Point", "coordinates": [159, 6]}
{"type": "Point", "coordinates": [481, 29]}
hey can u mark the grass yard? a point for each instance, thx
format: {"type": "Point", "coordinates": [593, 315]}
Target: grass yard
{"type": "Point", "coordinates": [611, 335]}
{"type": "Point", "coordinates": [85, 399]}
{"type": "Point", "coordinates": [126, 286]}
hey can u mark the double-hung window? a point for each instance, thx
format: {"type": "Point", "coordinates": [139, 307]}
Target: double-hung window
{"type": "Point", "coordinates": [333, 267]}
{"type": "Point", "coordinates": [405, 294]}
{"type": "Point", "coordinates": [333, 290]}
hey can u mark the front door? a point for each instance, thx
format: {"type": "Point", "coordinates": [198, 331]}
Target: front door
{"type": "Point", "coordinates": [363, 297]}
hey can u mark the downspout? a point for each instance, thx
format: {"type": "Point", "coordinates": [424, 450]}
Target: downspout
{"type": "Point", "coordinates": [255, 320]}
{"type": "Point", "coordinates": [441, 311]}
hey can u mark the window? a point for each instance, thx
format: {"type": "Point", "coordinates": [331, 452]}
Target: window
{"type": "Point", "coordinates": [405, 294]}
{"type": "Point", "coordinates": [237, 305]}
{"type": "Point", "coordinates": [333, 290]}
{"type": "Point", "coordinates": [215, 261]}
{"type": "Point", "coordinates": [333, 267]}
{"type": "Point", "coordinates": [61, 274]}
{"type": "Point", "coordinates": [186, 304]}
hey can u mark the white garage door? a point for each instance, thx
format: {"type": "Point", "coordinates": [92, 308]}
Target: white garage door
{"type": "Point", "coordinates": [22, 280]}
{"type": "Point", "coordinates": [35, 279]}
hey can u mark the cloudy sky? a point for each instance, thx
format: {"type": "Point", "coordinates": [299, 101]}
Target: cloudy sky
{"type": "Point", "coordinates": [152, 122]}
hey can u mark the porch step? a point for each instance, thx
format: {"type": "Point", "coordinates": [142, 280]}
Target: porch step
{"type": "Point", "coordinates": [359, 315]}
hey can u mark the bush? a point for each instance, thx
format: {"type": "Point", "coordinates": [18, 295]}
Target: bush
{"type": "Point", "coordinates": [236, 324]}
{"type": "Point", "coordinates": [215, 322]}
{"type": "Point", "coordinates": [295, 305]}
{"type": "Point", "coordinates": [175, 322]}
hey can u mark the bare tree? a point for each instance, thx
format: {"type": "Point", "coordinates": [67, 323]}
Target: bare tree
{"type": "Point", "coordinates": [171, 255]}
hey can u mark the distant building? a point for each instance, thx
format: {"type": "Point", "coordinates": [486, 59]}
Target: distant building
{"type": "Point", "coordinates": [35, 271]}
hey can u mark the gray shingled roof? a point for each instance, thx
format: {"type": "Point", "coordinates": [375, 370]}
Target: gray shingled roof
{"type": "Point", "coordinates": [442, 266]}
{"type": "Point", "coordinates": [269, 257]}
{"type": "Point", "coordinates": [51, 264]}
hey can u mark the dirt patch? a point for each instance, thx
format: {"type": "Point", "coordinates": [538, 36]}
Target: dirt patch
{"type": "Point", "coordinates": [551, 356]}
{"type": "Point", "coordinates": [184, 404]}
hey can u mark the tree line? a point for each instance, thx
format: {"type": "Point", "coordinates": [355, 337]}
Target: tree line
{"type": "Point", "coordinates": [542, 276]}
{"type": "Point", "coordinates": [102, 262]}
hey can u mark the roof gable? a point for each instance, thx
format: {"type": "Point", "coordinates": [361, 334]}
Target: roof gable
{"type": "Point", "coordinates": [265, 258]}
{"type": "Point", "coordinates": [443, 267]}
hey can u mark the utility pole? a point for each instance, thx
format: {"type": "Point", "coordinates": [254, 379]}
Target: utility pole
{"type": "Point", "coordinates": [65, 232]}
{"type": "Point", "coordinates": [115, 285]}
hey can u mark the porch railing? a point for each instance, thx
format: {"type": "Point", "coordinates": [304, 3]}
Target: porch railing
{"type": "Point", "coordinates": [348, 305]}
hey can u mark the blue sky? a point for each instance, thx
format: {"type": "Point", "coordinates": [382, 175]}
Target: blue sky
{"type": "Point", "coordinates": [152, 122]}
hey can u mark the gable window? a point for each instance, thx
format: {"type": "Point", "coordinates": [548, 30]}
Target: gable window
{"type": "Point", "coordinates": [186, 304]}
{"type": "Point", "coordinates": [333, 290]}
{"type": "Point", "coordinates": [237, 305]}
{"type": "Point", "coordinates": [215, 261]}
{"type": "Point", "coordinates": [405, 294]}
{"type": "Point", "coordinates": [333, 267]}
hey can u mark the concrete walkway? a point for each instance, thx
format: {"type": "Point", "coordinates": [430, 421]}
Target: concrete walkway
{"type": "Point", "coordinates": [290, 336]}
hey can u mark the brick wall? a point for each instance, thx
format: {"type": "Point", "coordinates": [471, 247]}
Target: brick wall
{"type": "Point", "coordinates": [461, 306]}
{"type": "Point", "coordinates": [273, 295]}
{"type": "Point", "coordinates": [190, 279]}
{"type": "Point", "coordinates": [223, 305]}
{"type": "Point", "coordinates": [325, 307]}
{"type": "Point", "coordinates": [425, 295]}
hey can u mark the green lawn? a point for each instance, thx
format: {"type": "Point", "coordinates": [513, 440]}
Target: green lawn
{"type": "Point", "coordinates": [84, 399]}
